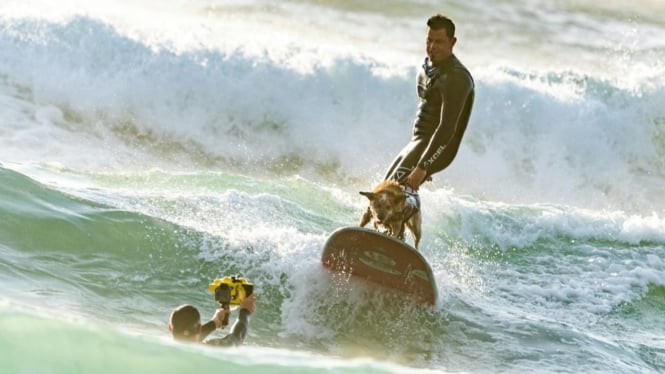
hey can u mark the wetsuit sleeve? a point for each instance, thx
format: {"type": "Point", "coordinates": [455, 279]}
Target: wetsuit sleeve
{"type": "Point", "coordinates": [208, 328]}
{"type": "Point", "coordinates": [237, 334]}
{"type": "Point", "coordinates": [454, 93]}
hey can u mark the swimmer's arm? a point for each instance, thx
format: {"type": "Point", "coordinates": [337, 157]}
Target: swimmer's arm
{"type": "Point", "coordinates": [217, 321]}
{"type": "Point", "coordinates": [238, 331]}
{"type": "Point", "coordinates": [207, 329]}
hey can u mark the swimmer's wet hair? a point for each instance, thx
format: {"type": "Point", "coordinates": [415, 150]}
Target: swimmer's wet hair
{"type": "Point", "coordinates": [185, 321]}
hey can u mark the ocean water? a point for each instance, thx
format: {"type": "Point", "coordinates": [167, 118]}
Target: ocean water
{"type": "Point", "coordinates": [148, 147]}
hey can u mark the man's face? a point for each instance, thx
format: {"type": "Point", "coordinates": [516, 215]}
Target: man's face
{"type": "Point", "coordinates": [439, 45]}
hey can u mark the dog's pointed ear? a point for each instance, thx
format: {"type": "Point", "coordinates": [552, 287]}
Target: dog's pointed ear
{"type": "Point", "coordinates": [369, 195]}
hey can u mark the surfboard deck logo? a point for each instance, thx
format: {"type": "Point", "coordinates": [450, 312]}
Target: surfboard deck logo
{"type": "Point", "coordinates": [381, 259]}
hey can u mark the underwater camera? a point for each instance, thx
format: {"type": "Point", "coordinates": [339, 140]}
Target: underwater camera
{"type": "Point", "coordinates": [230, 290]}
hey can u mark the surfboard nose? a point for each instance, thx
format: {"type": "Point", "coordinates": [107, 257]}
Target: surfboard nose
{"type": "Point", "coordinates": [378, 258]}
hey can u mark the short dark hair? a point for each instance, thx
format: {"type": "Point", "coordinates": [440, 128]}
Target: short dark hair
{"type": "Point", "coordinates": [185, 322]}
{"type": "Point", "coordinates": [438, 22]}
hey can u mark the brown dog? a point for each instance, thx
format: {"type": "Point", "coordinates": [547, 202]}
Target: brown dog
{"type": "Point", "coordinates": [389, 208]}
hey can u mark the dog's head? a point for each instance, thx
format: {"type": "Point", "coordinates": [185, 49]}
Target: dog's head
{"type": "Point", "coordinates": [386, 202]}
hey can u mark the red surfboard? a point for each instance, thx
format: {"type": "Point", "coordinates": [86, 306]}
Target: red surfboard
{"type": "Point", "coordinates": [381, 259]}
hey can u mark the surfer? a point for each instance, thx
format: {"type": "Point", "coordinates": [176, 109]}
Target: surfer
{"type": "Point", "coordinates": [446, 93]}
{"type": "Point", "coordinates": [185, 324]}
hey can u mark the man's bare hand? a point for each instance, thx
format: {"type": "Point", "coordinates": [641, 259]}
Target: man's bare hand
{"type": "Point", "coordinates": [416, 177]}
{"type": "Point", "coordinates": [221, 317]}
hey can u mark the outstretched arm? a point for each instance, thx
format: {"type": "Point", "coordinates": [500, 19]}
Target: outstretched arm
{"type": "Point", "coordinates": [239, 329]}
{"type": "Point", "coordinates": [216, 322]}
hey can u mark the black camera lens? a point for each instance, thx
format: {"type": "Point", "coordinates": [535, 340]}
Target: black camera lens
{"type": "Point", "coordinates": [223, 294]}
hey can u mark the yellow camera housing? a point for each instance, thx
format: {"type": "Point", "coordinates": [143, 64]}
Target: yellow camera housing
{"type": "Point", "coordinates": [238, 289]}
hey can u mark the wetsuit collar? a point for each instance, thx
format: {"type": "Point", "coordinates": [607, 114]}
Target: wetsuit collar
{"type": "Point", "coordinates": [430, 70]}
{"type": "Point", "coordinates": [433, 69]}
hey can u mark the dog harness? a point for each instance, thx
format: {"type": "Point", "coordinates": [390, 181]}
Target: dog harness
{"type": "Point", "coordinates": [412, 204]}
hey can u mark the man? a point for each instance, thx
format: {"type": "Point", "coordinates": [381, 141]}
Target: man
{"type": "Point", "coordinates": [185, 324]}
{"type": "Point", "coordinates": [446, 92]}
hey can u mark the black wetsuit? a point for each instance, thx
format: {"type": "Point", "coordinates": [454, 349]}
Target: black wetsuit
{"type": "Point", "coordinates": [235, 336]}
{"type": "Point", "coordinates": [446, 92]}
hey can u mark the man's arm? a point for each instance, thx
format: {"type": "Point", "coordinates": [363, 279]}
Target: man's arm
{"type": "Point", "coordinates": [237, 334]}
{"type": "Point", "coordinates": [454, 92]}
{"type": "Point", "coordinates": [239, 329]}
{"type": "Point", "coordinates": [416, 178]}
{"type": "Point", "coordinates": [216, 322]}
